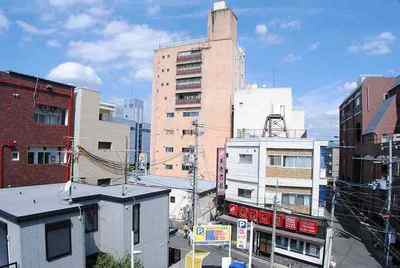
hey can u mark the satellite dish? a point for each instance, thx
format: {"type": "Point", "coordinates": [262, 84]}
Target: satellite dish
{"type": "Point", "coordinates": [67, 187]}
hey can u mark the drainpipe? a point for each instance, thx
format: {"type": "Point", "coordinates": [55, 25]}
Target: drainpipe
{"type": "Point", "coordinates": [3, 145]}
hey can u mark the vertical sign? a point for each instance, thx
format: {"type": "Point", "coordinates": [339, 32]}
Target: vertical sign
{"type": "Point", "coordinates": [221, 171]}
{"type": "Point", "coordinates": [241, 235]}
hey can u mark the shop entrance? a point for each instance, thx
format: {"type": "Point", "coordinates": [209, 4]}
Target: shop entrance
{"type": "Point", "coordinates": [263, 244]}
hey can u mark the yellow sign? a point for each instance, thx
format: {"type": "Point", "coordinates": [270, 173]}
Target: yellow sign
{"type": "Point", "coordinates": [212, 233]}
{"type": "Point", "coordinates": [199, 258]}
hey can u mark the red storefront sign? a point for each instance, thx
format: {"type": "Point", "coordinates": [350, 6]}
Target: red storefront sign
{"type": "Point", "coordinates": [308, 227]}
{"type": "Point", "coordinates": [291, 223]}
{"type": "Point", "coordinates": [221, 171]}
{"type": "Point", "coordinates": [253, 215]}
{"type": "Point", "coordinates": [265, 217]}
{"type": "Point", "coordinates": [233, 210]}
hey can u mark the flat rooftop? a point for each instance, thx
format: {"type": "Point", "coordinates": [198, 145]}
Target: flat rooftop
{"type": "Point", "coordinates": [31, 202]}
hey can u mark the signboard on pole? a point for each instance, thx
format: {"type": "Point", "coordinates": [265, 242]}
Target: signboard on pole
{"type": "Point", "coordinates": [221, 171]}
{"type": "Point", "coordinates": [212, 234]}
{"type": "Point", "coordinates": [241, 234]}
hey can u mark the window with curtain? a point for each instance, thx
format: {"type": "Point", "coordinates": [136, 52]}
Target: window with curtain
{"type": "Point", "coordinates": [297, 161]}
{"type": "Point", "coordinates": [312, 250]}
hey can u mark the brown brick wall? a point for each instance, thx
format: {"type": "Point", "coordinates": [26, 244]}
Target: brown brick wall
{"type": "Point", "coordinates": [16, 119]}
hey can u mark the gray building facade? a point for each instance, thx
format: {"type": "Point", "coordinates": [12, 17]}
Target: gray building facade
{"type": "Point", "coordinates": [41, 227]}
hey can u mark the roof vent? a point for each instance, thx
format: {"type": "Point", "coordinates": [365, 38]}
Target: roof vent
{"type": "Point", "coordinates": [219, 5]}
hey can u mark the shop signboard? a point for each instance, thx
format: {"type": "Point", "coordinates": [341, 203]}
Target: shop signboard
{"type": "Point", "coordinates": [212, 234]}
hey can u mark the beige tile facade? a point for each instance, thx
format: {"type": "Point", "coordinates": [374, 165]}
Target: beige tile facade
{"type": "Point", "coordinates": [197, 77]}
{"type": "Point", "coordinates": [284, 172]}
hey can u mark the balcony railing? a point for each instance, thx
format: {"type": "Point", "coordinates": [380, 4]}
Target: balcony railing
{"type": "Point", "coordinates": [188, 71]}
{"type": "Point", "coordinates": [193, 57]}
{"type": "Point", "coordinates": [188, 86]}
{"type": "Point", "coordinates": [261, 133]}
{"type": "Point", "coordinates": [188, 101]}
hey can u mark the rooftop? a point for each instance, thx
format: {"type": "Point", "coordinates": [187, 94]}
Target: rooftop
{"type": "Point", "coordinates": [203, 186]}
{"type": "Point", "coordinates": [32, 202]}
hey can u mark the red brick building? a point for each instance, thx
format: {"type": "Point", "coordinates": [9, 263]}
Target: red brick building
{"type": "Point", "coordinates": [365, 116]}
{"type": "Point", "coordinates": [36, 118]}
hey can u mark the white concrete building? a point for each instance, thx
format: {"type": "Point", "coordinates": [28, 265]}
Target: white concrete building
{"type": "Point", "coordinates": [102, 139]}
{"type": "Point", "coordinates": [260, 168]}
{"type": "Point", "coordinates": [254, 104]}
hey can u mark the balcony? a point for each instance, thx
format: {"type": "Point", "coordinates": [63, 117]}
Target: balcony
{"type": "Point", "coordinates": [188, 71]}
{"type": "Point", "coordinates": [192, 58]}
{"type": "Point", "coordinates": [188, 86]}
{"type": "Point", "coordinates": [188, 101]}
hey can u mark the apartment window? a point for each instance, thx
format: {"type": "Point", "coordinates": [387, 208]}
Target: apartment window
{"type": "Point", "coordinates": [46, 156]}
{"type": "Point", "coordinates": [245, 193]}
{"type": "Point", "coordinates": [245, 158]}
{"type": "Point", "coordinates": [104, 145]}
{"type": "Point", "coordinates": [58, 240]}
{"type": "Point", "coordinates": [14, 155]}
{"type": "Point", "coordinates": [275, 160]}
{"type": "Point", "coordinates": [186, 167]}
{"type": "Point", "coordinates": [49, 115]}
{"type": "Point", "coordinates": [282, 242]}
{"type": "Point", "coordinates": [297, 161]}
{"type": "Point", "coordinates": [190, 114]}
{"type": "Point", "coordinates": [91, 220]}
{"type": "Point", "coordinates": [172, 199]}
{"type": "Point", "coordinates": [169, 167]}
{"type": "Point", "coordinates": [169, 149]}
{"type": "Point", "coordinates": [169, 131]}
{"type": "Point", "coordinates": [312, 250]}
{"type": "Point", "coordinates": [188, 132]}
{"type": "Point", "coordinates": [296, 246]}
{"type": "Point", "coordinates": [187, 149]}
{"type": "Point", "coordinates": [170, 115]}
{"type": "Point", "coordinates": [296, 199]}
{"type": "Point", "coordinates": [136, 223]}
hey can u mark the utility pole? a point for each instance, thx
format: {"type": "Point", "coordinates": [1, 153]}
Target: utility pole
{"type": "Point", "coordinates": [333, 201]}
{"type": "Point", "coordinates": [329, 237]}
{"type": "Point", "coordinates": [125, 167]}
{"type": "Point", "coordinates": [389, 204]}
{"type": "Point", "coordinates": [194, 190]}
{"type": "Point", "coordinates": [274, 227]}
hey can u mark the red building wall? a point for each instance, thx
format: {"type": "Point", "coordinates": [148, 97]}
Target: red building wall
{"type": "Point", "coordinates": [17, 107]}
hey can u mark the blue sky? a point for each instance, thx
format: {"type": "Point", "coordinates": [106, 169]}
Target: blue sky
{"type": "Point", "coordinates": [319, 48]}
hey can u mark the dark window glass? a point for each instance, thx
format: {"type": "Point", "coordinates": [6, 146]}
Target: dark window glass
{"type": "Point", "coordinates": [296, 246]}
{"type": "Point", "coordinates": [169, 167]}
{"type": "Point", "coordinates": [49, 115]}
{"type": "Point", "coordinates": [41, 158]}
{"type": "Point", "coordinates": [31, 157]}
{"type": "Point", "coordinates": [104, 145]}
{"type": "Point", "coordinates": [172, 199]}
{"type": "Point", "coordinates": [136, 223]}
{"type": "Point", "coordinates": [91, 220]}
{"type": "Point", "coordinates": [282, 242]}
{"type": "Point", "coordinates": [312, 250]}
{"type": "Point", "coordinates": [244, 193]}
{"type": "Point", "coordinates": [58, 240]}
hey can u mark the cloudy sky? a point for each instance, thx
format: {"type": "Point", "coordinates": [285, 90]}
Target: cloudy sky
{"type": "Point", "coordinates": [319, 48]}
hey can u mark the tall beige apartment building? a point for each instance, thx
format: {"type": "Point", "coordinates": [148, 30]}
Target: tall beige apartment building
{"type": "Point", "coordinates": [196, 79]}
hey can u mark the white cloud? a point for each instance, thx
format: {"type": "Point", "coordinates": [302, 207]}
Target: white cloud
{"type": "Point", "coordinates": [76, 74]}
{"type": "Point", "coordinates": [79, 22]}
{"type": "Point", "coordinates": [314, 46]}
{"type": "Point", "coordinates": [268, 37]}
{"type": "Point", "coordinates": [31, 29]}
{"type": "Point", "coordinates": [53, 43]}
{"type": "Point", "coordinates": [125, 45]}
{"type": "Point", "coordinates": [287, 25]}
{"type": "Point", "coordinates": [69, 3]}
{"type": "Point", "coordinates": [4, 23]}
{"type": "Point", "coordinates": [377, 45]}
{"type": "Point", "coordinates": [348, 86]}
{"type": "Point", "coordinates": [291, 58]}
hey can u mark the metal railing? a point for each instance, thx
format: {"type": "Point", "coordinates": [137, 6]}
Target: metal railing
{"type": "Point", "coordinates": [10, 265]}
{"type": "Point", "coordinates": [261, 133]}
{"type": "Point", "coordinates": [188, 101]}
{"type": "Point", "coordinates": [188, 86]}
{"type": "Point", "coordinates": [188, 71]}
{"type": "Point", "coordinates": [183, 42]}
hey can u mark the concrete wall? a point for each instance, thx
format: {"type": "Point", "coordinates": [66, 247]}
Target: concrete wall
{"type": "Point", "coordinates": [28, 244]}
{"type": "Point", "coordinates": [89, 130]}
{"type": "Point", "coordinates": [253, 105]}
